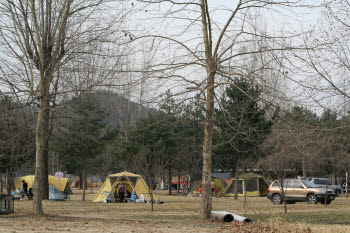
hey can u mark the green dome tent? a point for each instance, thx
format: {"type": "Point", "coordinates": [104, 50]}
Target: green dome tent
{"type": "Point", "coordinates": [253, 184]}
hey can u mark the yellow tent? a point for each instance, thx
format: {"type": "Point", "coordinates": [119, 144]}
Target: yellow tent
{"type": "Point", "coordinates": [252, 184]}
{"type": "Point", "coordinates": [61, 184]}
{"type": "Point", "coordinates": [134, 183]}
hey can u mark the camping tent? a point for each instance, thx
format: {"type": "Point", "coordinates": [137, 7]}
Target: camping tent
{"type": "Point", "coordinates": [134, 183]}
{"type": "Point", "coordinates": [253, 184]}
{"type": "Point", "coordinates": [62, 183]}
{"type": "Point", "coordinates": [75, 184]}
{"type": "Point", "coordinates": [217, 183]}
{"type": "Point", "coordinates": [55, 194]}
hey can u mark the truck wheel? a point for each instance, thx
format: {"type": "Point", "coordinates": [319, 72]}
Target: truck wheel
{"type": "Point", "coordinates": [312, 199]}
{"type": "Point", "coordinates": [277, 199]}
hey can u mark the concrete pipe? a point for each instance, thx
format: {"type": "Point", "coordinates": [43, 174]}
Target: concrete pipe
{"type": "Point", "coordinates": [223, 216]}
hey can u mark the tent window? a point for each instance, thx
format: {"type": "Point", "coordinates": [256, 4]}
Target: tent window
{"type": "Point", "coordinates": [133, 180]}
{"type": "Point", "coordinates": [239, 187]}
{"type": "Point", "coordinates": [251, 185]}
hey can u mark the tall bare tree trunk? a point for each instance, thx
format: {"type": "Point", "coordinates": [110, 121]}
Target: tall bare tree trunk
{"type": "Point", "coordinates": [40, 142]}
{"type": "Point", "coordinates": [304, 167]}
{"type": "Point", "coordinates": [206, 206]}
{"type": "Point", "coordinates": [45, 182]}
{"type": "Point", "coordinates": [169, 181]}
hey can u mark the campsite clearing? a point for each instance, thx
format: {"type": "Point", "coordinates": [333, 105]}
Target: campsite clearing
{"type": "Point", "coordinates": [177, 214]}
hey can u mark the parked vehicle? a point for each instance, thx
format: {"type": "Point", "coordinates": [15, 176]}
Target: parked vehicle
{"type": "Point", "coordinates": [299, 191]}
{"type": "Point", "coordinates": [325, 183]}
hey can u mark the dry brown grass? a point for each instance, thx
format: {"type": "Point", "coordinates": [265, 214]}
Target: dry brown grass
{"type": "Point", "coordinates": [177, 214]}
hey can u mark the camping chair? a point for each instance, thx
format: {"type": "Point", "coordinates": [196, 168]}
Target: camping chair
{"type": "Point", "coordinates": [132, 199]}
{"type": "Point", "coordinates": [66, 197]}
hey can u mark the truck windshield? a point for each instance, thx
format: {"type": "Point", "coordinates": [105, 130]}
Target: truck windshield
{"type": "Point", "coordinates": [308, 184]}
{"type": "Point", "coordinates": [322, 182]}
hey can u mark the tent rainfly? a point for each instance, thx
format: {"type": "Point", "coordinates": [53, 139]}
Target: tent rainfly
{"type": "Point", "coordinates": [60, 183]}
{"type": "Point", "coordinates": [253, 184]}
{"type": "Point", "coordinates": [134, 183]}
{"type": "Point", "coordinates": [55, 194]}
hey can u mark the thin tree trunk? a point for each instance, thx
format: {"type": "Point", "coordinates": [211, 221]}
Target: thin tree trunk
{"type": "Point", "coordinates": [151, 192]}
{"type": "Point", "coordinates": [178, 182]}
{"type": "Point", "coordinates": [304, 167]}
{"type": "Point", "coordinates": [45, 181]}
{"type": "Point", "coordinates": [236, 182]}
{"type": "Point", "coordinates": [169, 181]}
{"type": "Point", "coordinates": [91, 182]}
{"type": "Point", "coordinates": [80, 183]}
{"type": "Point", "coordinates": [40, 142]}
{"type": "Point", "coordinates": [1, 184]}
{"type": "Point", "coordinates": [245, 205]}
{"type": "Point", "coordinates": [206, 206]}
{"type": "Point", "coordinates": [85, 181]}
{"type": "Point", "coordinates": [8, 181]}
{"type": "Point", "coordinates": [83, 184]}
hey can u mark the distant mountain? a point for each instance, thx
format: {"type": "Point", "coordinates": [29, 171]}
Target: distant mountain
{"type": "Point", "coordinates": [121, 111]}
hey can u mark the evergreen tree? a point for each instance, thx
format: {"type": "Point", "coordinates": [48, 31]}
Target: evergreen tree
{"type": "Point", "coordinates": [81, 139]}
{"type": "Point", "coordinates": [240, 125]}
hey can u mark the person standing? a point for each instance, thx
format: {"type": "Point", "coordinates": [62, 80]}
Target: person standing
{"type": "Point", "coordinates": [121, 192]}
{"type": "Point", "coordinates": [25, 187]}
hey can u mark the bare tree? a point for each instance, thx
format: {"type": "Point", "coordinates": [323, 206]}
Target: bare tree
{"type": "Point", "coordinates": [201, 50]}
{"type": "Point", "coordinates": [41, 36]}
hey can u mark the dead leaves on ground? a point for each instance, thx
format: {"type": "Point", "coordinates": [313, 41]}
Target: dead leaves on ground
{"type": "Point", "coordinates": [259, 227]}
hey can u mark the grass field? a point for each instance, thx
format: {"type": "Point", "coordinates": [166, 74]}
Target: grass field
{"type": "Point", "coordinates": [177, 214]}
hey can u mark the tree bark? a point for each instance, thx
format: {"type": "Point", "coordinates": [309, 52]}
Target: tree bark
{"type": "Point", "coordinates": [206, 206]}
{"type": "Point", "coordinates": [211, 68]}
{"type": "Point", "coordinates": [40, 142]}
{"type": "Point", "coordinates": [304, 167]}
{"type": "Point", "coordinates": [8, 181]}
{"type": "Point", "coordinates": [83, 184]}
{"type": "Point", "coordinates": [45, 182]}
{"type": "Point", "coordinates": [169, 181]}
{"type": "Point", "coordinates": [236, 182]}
{"type": "Point", "coordinates": [80, 183]}
{"type": "Point", "coordinates": [1, 183]}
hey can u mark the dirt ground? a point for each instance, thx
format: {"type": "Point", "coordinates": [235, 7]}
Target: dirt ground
{"type": "Point", "coordinates": [177, 214]}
